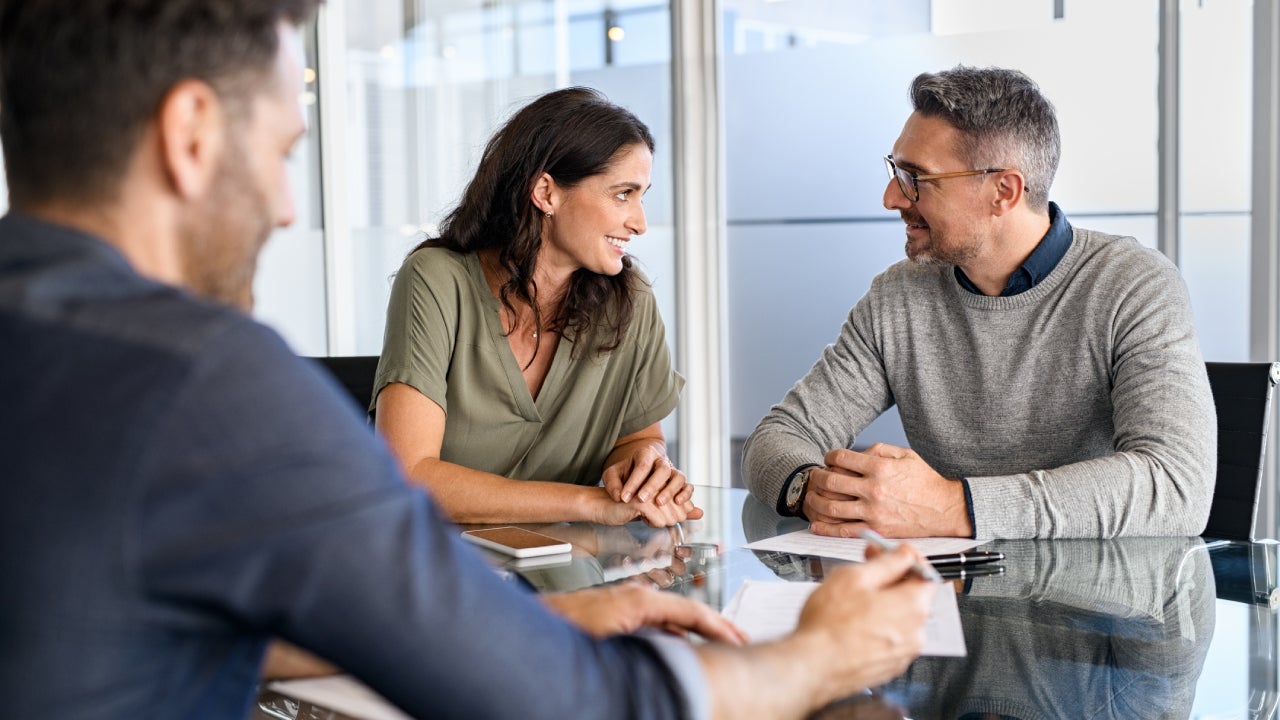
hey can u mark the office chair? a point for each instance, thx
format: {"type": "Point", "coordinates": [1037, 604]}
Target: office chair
{"type": "Point", "coordinates": [353, 373]}
{"type": "Point", "coordinates": [1242, 397]}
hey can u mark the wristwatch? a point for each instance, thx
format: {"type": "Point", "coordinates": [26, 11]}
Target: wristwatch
{"type": "Point", "coordinates": [792, 499]}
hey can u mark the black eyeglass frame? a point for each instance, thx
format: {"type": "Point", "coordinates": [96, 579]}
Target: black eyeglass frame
{"type": "Point", "coordinates": [909, 182]}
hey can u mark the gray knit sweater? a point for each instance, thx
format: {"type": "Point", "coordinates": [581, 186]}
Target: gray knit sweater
{"type": "Point", "coordinates": [1079, 408]}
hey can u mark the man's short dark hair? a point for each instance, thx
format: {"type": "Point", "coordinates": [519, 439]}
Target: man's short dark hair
{"type": "Point", "coordinates": [80, 79]}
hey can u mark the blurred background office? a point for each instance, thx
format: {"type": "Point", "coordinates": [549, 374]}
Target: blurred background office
{"type": "Point", "coordinates": [771, 118]}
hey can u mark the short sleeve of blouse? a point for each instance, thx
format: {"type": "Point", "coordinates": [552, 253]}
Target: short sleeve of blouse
{"type": "Point", "coordinates": [422, 323]}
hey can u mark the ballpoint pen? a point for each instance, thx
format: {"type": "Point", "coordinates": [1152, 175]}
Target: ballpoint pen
{"type": "Point", "coordinates": [955, 572]}
{"type": "Point", "coordinates": [924, 570]}
{"type": "Point", "coordinates": [965, 558]}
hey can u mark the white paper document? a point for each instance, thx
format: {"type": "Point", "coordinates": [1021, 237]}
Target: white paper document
{"type": "Point", "coordinates": [768, 610]}
{"type": "Point", "coordinates": [343, 694]}
{"type": "Point", "coordinates": [804, 542]}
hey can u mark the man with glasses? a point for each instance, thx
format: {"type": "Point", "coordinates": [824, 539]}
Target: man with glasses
{"type": "Point", "coordinates": [1048, 377]}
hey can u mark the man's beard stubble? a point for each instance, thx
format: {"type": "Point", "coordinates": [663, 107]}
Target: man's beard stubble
{"type": "Point", "coordinates": [223, 237]}
{"type": "Point", "coordinates": [935, 253]}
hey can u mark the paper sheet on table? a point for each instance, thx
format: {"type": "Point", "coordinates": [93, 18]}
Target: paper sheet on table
{"type": "Point", "coordinates": [804, 542]}
{"type": "Point", "coordinates": [340, 693]}
{"type": "Point", "coordinates": [769, 610]}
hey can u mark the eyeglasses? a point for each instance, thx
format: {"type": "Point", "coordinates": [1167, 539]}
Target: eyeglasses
{"type": "Point", "coordinates": [909, 182]}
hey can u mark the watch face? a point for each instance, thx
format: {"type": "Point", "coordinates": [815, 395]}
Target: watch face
{"type": "Point", "coordinates": [796, 488]}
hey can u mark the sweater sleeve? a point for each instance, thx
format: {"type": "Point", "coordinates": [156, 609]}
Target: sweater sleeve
{"type": "Point", "coordinates": [842, 393]}
{"type": "Point", "coordinates": [1159, 481]}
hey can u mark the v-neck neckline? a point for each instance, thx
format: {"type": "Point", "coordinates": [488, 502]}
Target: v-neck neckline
{"type": "Point", "coordinates": [552, 384]}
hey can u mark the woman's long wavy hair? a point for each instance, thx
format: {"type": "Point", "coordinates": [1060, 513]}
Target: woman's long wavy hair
{"type": "Point", "coordinates": [569, 134]}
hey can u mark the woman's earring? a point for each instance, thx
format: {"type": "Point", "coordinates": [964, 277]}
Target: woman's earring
{"type": "Point", "coordinates": [548, 213]}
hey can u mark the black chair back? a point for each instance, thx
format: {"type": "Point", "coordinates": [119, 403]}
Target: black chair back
{"type": "Point", "coordinates": [355, 374]}
{"type": "Point", "coordinates": [1242, 396]}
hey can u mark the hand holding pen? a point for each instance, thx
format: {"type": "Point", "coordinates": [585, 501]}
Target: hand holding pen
{"type": "Point", "coordinates": [921, 569]}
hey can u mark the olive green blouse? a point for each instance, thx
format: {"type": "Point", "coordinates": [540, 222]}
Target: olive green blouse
{"type": "Point", "coordinates": [445, 337]}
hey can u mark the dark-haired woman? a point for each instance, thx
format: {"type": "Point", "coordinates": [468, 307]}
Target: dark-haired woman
{"type": "Point", "coordinates": [525, 372]}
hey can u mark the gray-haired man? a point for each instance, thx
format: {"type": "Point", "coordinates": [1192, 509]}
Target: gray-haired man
{"type": "Point", "coordinates": [1048, 377]}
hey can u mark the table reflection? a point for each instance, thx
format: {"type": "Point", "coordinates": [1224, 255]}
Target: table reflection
{"type": "Point", "coordinates": [604, 555]}
{"type": "Point", "coordinates": [1073, 629]}
{"type": "Point", "coordinates": [1110, 629]}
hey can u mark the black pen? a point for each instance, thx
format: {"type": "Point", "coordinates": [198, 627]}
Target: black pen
{"type": "Point", "coordinates": [955, 572]}
{"type": "Point", "coordinates": [969, 558]}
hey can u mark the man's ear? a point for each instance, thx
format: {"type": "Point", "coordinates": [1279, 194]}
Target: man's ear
{"type": "Point", "coordinates": [193, 130]}
{"type": "Point", "coordinates": [1010, 191]}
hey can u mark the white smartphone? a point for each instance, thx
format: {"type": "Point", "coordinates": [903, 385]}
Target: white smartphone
{"type": "Point", "coordinates": [517, 542]}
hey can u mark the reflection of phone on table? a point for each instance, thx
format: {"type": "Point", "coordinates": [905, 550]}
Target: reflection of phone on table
{"type": "Point", "coordinates": [517, 542]}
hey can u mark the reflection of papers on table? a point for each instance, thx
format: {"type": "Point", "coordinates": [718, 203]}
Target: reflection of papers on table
{"type": "Point", "coordinates": [769, 610]}
{"type": "Point", "coordinates": [804, 542]}
{"type": "Point", "coordinates": [340, 693]}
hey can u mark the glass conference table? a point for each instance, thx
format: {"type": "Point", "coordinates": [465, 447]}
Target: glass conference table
{"type": "Point", "coordinates": [1132, 628]}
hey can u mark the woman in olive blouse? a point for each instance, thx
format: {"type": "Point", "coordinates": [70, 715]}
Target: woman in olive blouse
{"type": "Point", "coordinates": [525, 370]}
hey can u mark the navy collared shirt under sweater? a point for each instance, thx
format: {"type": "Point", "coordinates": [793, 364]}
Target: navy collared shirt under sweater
{"type": "Point", "coordinates": [1053, 246]}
